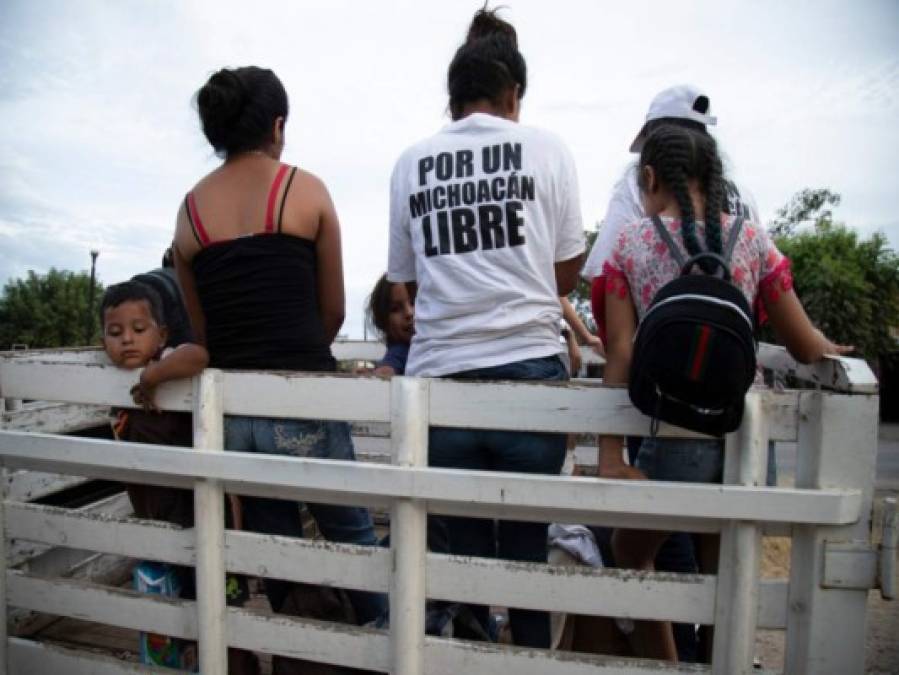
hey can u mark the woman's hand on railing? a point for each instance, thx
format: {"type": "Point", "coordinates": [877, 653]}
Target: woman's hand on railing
{"type": "Point", "coordinates": [831, 348]}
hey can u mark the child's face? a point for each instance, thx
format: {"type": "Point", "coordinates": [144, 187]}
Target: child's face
{"type": "Point", "coordinates": [131, 336]}
{"type": "Point", "coordinates": [399, 321]}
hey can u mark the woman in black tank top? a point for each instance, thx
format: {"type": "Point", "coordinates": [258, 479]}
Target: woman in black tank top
{"type": "Point", "coordinates": [257, 249]}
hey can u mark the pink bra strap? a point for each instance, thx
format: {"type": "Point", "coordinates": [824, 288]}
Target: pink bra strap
{"type": "Point", "coordinates": [272, 197]}
{"type": "Point", "coordinates": [194, 217]}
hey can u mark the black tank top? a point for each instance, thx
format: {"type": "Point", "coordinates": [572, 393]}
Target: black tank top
{"type": "Point", "coordinates": [259, 294]}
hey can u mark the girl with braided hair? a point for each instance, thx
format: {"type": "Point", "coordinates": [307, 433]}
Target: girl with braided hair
{"type": "Point", "coordinates": [681, 181]}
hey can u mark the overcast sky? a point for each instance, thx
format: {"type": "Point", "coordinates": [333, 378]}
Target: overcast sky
{"type": "Point", "coordinates": [99, 139]}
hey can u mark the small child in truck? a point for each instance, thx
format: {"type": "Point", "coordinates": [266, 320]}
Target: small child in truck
{"type": "Point", "coordinates": [134, 337]}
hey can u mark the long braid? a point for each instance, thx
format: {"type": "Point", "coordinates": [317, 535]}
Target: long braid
{"type": "Point", "coordinates": [678, 155]}
{"type": "Point", "coordinates": [670, 156]}
{"type": "Point", "coordinates": [714, 196]}
{"type": "Point", "coordinates": [677, 182]}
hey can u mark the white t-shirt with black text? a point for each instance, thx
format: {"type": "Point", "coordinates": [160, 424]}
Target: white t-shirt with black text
{"type": "Point", "coordinates": [479, 214]}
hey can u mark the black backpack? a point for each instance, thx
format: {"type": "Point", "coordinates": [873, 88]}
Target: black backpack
{"type": "Point", "coordinates": [694, 352]}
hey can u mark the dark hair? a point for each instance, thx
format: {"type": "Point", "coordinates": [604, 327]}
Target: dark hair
{"type": "Point", "coordinates": [487, 65]}
{"type": "Point", "coordinates": [132, 291]}
{"type": "Point", "coordinates": [238, 108]}
{"type": "Point", "coordinates": [377, 309]}
{"type": "Point", "coordinates": [678, 154]}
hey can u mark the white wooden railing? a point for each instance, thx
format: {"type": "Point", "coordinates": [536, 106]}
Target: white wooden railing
{"type": "Point", "coordinates": [827, 513]}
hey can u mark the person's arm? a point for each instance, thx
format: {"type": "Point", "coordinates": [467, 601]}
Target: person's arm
{"type": "Point", "coordinates": [331, 298]}
{"type": "Point", "coordinates": [575, 324]}
{"type": "Point", "coordinates": [621, 322]}
{"type": "Point", "coordinates": [400, 252]}
{"type": "Point", "coordinates": [188, 286]}
{"type": "Point", "coordinates": [567, 274]}
{"type": "Point", "coordinates": [568, 254]}
{"type": "Point", "coordinates": [184, 248]}
{"type": "Point", "coordinates": [574, 352]}
{"type": "Point", "coordinates": [795, 330]}
{"type": "Point", "coordinates": [788, 318]}
{"type": "Point", "coordinates": [186, 360]}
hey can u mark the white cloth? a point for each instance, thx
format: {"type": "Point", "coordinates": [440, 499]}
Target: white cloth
{"type": "Point", "coordinates": [479, 214]}
{"type": "Point", "coordinates": [626, 207]}
{"type": "Point", "coordinates": [577, 541]}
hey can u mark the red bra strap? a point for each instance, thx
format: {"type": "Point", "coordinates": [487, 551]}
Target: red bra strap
{"type": "Point", "coordinates": [272, 197]}
{"type": "Point", "coordinates": [194, 217]}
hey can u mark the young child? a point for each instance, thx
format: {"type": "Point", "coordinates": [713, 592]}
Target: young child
{"type": "Point", "coordinates": [391, 313]}
{"type": "Point", "coordinates": [681, 181]}
{"type": "Point", "coordinates": [134, 337]}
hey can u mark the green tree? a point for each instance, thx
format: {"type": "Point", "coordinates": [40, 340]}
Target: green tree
{"type": "Point", "coordinates": [49, 310]}
{"type": "Point", "coordinates": [806, 206]}
{"type": "Point", "coordinates": [848, 285]}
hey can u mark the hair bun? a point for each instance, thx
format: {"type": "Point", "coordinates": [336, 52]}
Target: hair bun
{"type": "Point", "coordinates": [222, 98]}
{"type": "Point", "coordinates": [487, 24]}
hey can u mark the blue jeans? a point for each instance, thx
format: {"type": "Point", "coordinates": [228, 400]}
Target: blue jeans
{"type": "Point", "coordinates": [523, 452]}
{"type": "Point", "coordinates": [313, 439]}
{"type": "Point", "coordinates": [692, 460]}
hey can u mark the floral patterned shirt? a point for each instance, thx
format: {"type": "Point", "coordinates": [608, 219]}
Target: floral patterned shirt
{"type": "Point", "coordinates": [641, 262]}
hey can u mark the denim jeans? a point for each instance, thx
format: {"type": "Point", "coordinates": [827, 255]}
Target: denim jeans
{"type": "Point", "coordinates": [486, 450]}
{"type": "Point", "coordinates": [346, 524]}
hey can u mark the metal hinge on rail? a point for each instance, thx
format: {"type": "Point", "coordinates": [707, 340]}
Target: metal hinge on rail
{"type": "Point", "coordinates": [859, 566]}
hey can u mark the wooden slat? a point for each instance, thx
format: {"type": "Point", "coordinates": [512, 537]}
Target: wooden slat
{"type": "Point", "coordinates": [55, 418]}
{"type": "Point", "coordinates": [274, 634]}
{"type": "Point", "coordinates": [49, 560]}
{"type": "Point", "coordinates": [450, 657]}
{"type": "Point", "coordinates": [311, 396]}
{"type": "Point", "coordinates": [322, 641]}
{"type": "Point", "coordinates": [563, 407]}
{"type": "Point", "coordinates": [578, 589]}
{"type": "Point", "coordinates": [841, 374]}
{"type": "Point", "coordinates": [573, 408]}
{"type": "Point", "coordinates": [316, 562]}
{"type": "Point", "coordinates": [24, 486]}
{"type": "Point", "coordinates": [519, 496]}
{"type": "Point", "coordinates": [144, 539]}
{"type": "Point", "coordinates": [103, 604]}
{"type": "Point", "coordinates": [68, 355]}
{"type": "Point", "coordinates": [99, 384]}
{"type": "Point", "coordinates": [28, 656]}
{"type": "Point", "coordinates": [689, 598]}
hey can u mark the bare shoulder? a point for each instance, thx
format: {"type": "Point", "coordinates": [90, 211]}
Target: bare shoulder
{"type": "Point", "coordinates": [307, 206]}
{"type": "Point", "coordinates": [309, 186]}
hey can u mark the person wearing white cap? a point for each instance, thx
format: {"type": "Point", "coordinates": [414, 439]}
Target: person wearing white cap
{"type": "Point", "coordinates": [684, 105]}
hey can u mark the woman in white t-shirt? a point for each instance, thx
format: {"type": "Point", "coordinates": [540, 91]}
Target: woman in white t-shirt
{"type": "Point", "coordinates": [485, 229]}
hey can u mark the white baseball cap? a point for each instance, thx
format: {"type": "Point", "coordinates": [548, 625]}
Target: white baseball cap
{"type": "Point", "coordinates": [683, 101]}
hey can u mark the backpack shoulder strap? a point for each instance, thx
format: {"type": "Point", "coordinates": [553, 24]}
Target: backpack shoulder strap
{"type": "Point", "coordinates": [669, 242]}
{"type": "Point", "coordinates": [732, 238]}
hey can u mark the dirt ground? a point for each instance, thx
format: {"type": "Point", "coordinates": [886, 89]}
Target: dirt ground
{"type": "Point", "coordinates": [881, 633]}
